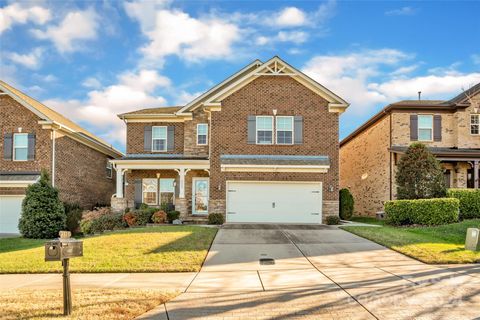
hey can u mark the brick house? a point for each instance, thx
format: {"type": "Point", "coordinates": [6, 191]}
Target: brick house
{"type": "Point", "coordinates": [34, 137]}
{"type": "Point", "coordinates": [449, 128]}
{"type": "Point", "coordinates": [262, 146]}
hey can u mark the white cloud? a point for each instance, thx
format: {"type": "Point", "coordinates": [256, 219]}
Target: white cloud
{"type": "Point", "coordinates": [174, 32]}
{"type": "Point", "coordinates": [290, 17]}
{"type": "Point", "coordinates": [404, 11]}
{"type": "Point", "coordinates": [20, 13]}
{"type": "Point", "coordinates": [100, 109]}
{"type": "Point", "coordinates": [292, 36]}
{"type": "Point", "coordinates": [76, 27]}
{"type": "Point", "coordinates": [30, 60]}
{"type": "Point", "coordinates": [369, 77]}
{"type": "Point", "coordinates": [184, 97]}
{"type": "Point", "coordinates": [91, 82]}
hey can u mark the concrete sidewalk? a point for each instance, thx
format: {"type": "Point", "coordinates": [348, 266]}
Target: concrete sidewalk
{"type": "Point", "coordinates": [169, 281]}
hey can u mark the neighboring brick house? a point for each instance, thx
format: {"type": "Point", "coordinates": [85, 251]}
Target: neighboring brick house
{"type": "Point", "coordinates": [262, 146]}
{"type": "Point", "coordinates": [450, 129]}
{"type": "Point", "coordinates": [34, 137]}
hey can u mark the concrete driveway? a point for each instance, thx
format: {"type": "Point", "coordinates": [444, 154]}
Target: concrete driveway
{"type": "Point", "coordinates": [319, 272]}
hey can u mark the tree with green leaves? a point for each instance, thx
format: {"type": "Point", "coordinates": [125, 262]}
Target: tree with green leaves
{"type": "Point", "coordinates": [43, 214]}
{"type": "Point", "coordinates": [419, 174]}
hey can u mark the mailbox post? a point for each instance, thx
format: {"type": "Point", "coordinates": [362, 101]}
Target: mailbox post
{"type": "Point", "coordinates": [62, 249]}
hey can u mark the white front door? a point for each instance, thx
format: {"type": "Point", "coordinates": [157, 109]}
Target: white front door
{"type": "Point", "coordinates": [274, 202]}
{"type": "Point", "coordinates": [200, 191]}
{"type": "Point", "coordinates": [10, 212]}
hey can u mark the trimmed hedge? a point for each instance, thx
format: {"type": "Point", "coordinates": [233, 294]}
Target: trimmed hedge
{"type": "Point", "coordinates": [469, 202]}
{"type": "Point", "coordinates": [428, 212]}
{"type": "Point", "coordinates": [215, 218]}
{"type": "Point", "coordinates": [333, 220]}
{"type": "Point", "coordinates": [346, 204]}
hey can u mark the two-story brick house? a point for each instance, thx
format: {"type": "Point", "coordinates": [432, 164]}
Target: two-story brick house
{"type": "Point", "coordinates": [35, 137]}
{"type": "Point", "coordinates": [450, 129]}
{"type": "Point", "coordinates": [262, 146]}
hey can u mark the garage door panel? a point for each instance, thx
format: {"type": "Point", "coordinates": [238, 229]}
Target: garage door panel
{"type": "Point", "coordinates": [274, 202]}
{"type": "Point", "coordinates": [10, 211]}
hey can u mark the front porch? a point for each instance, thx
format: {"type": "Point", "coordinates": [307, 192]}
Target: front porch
{"type": "Point", "coordinates": [163, 181]}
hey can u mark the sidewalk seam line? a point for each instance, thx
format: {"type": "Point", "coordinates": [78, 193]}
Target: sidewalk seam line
{"type": "Point", "coordinates": [261, 282]}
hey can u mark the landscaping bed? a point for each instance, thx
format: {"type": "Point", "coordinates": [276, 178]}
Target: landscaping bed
{"type": "Point", "coordinates": [150, 249]}
{"type": "Point", "coordinates": [435, 245]}
{"type": "Point", "coordinates": [89, 304]}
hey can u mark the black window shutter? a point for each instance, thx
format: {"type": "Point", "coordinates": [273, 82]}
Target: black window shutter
{"type": "Point", "coordinates": [170, 138]}
{"type": "Point", "coordinates": [437, 127]}
{"type": "Point", "coordinates": [147, 138]}
{"type": "Point", "coordinates": [298, 129]}
{"type": "Point", "coordinates": [413, 127]}
{"type": "Point", "coordinates": [251, 128]}
{"type": "Point", "coordinates": [138, 193]}
{"type": "Point", "coordinates": [31, 146]}
{"type": "Point", "coordinates": [8, 146]}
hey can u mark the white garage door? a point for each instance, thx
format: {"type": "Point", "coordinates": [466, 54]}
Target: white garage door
{"type": "Point", "coordinates": [274, 202]}
{"type": "Point", "coordinates": [10, 211]}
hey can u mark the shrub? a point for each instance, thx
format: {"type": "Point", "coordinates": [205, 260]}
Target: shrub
{"type": "Point", "coordinates": [419, 174]}
{"type": "Point", "coordinates": [159, 217]}
{"type": "Point", "coordinates": [333, 220]}
{"type": "Point", "coordinates": [102, 223]}
{"type": "Point", "coordinates": [167, 206]}
{"type": "Point", "coordinates": [130, 218]}
{"type": "Point", "coordinates": [215, 218]}
{"type": "Point", "coordinates": [346, 204]}
{"type": "Point", "coordinates": [429, 212]}
{"type": "Point", "coordinates": [95, 213]}
{"type": "Point", "coordinates": [173, 215]}
{"type": "Point", "coordinates": [86, 226]}
{"type": "Point", "coordinates": [43, 214]}
{"type": "Point", "coordinates": [144, 216]}
{"type": "Point", "coordinates": [469, 202]}
{"type": "Point", "coordinates": [143, 206]}
{"type": "Point", "coordinates": [73, 211]}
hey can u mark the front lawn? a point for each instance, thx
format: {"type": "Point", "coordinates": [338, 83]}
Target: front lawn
{"type": "Point", "coordinates": [442, 244]}
{"type": "Point", "coordinates": [365, 219]}
{"type": "Point", "coordinates": [91, 304]}
{"type": "Point", "coordinates": [151, 249]}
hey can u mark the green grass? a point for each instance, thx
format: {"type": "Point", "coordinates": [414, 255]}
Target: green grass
{"type": "Point", "coordinates": [369, 220]}
{"type": "Point", "coordinates": [152, 249]}
{"type": "Point", "coordinates": [442, 244]}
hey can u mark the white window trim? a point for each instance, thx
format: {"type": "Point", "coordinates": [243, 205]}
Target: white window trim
{"type": "Point", "coordinates": [206, 134]}
{"type": "Point", "coordinates": [256, 130]}
{"type": "Point", "coordinates": [110, 167]}
{"type": "Point", "coordinates": [14, 148]}
{"type": "Point", "coordinates": [156, 192]}
{"type": "Point", "coordinates": [478, 124]}
{"type": "Point", "coordinates": [276, 130]}
{"type": "Point", "coordinates": [423, 128]}
{"type": "Point", "coordinates": [166, 139]}
{"type": "Point", "coordinates": [160, 190]}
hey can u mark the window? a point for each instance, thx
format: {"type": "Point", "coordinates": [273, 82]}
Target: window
{"type": "Point", "coordinates": [474, 124]}
{"type": "Point", "coordinates": [264, 130]}
{"type": "Point", "coordinates": [20, 146]}
{"type": "Point", "coordinates": [284, 130]}
{"type": "Point", "coordinates": [425, 127]}
{"type": "Point", "coordinates": [109, 170]}
{"type": "Point", "coordinates": [159, 138]}
{"type": "Point", "coordinates": [149, 191]}
{"type": "Point", "coordinates": [167, 191]}
{"type": "Point", "coordinates": [202, 134]}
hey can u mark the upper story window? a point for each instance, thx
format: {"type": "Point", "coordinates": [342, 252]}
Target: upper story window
{"type": "Point", "coordinates": [264, 129]}
{"type": "Point", "coordinates": [159, 138]}
{"type": "Point", "coordinates": [425, 127]}
{"type": "Point", "coordinates": [202, 134]}
{"type": "Point", "coordinates": [284, 130]}
{"type": "Point", "coordinates": [109, 170]}
{"type": "Point", "coordinates": [475, 124]}
{"type": "Point", "coordinates": [20, 146]}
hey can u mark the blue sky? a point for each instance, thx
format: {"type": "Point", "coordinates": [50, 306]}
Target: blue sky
{"type": "Point", "coordinates": [92, 60]}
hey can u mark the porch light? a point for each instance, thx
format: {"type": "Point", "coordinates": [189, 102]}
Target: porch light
{"type": "Point", "coordinates": [274, 112]}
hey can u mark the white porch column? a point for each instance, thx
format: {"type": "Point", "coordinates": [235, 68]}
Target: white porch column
{"type": "Point", "coordinates": [120, 183]}
{"type": "Point", "coordinates": [181, 174]}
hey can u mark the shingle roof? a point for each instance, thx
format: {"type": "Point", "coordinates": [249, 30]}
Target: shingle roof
{"type": "Point", "coordinates": [19, 176]}
{"type": "Point", "coordinates": [462, 96]}
{"type": "Point", "coordinates": [160, 156]}
{"type": "Point", "coordinates": [442, 151]}
{"type": "Point", "coordinates": [54, 116]}
{"type": "Point", "coordinates": [259, 159]}
{"type": "Point", "coordinates": [159, 110]}
{"type": "Point", "coordinates": [419, 102]}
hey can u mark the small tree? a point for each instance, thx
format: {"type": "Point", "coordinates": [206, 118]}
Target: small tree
{"type": "Point", "coordinates": [346, 204]}
{"type": "Point", "coordinates": [43, 214]}
{"type": "Point", "coordinates": [419, 175]}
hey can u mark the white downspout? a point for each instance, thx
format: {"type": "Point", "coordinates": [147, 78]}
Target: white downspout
{"type": "Point", "coordinates": [53, 157]}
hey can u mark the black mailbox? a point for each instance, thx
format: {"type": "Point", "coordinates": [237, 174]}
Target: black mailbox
{"type": "Point", "coordinates": [60, 249]}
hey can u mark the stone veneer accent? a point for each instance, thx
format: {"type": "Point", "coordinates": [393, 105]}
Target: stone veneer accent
{"type": "Point", "coordinates": [330, 208]}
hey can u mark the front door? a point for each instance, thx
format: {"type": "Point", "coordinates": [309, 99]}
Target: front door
{"type": "Point", "coordinates": [200, 190]}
